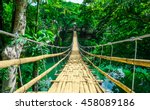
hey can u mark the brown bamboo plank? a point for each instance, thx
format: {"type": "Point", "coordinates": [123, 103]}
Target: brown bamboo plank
{"type": "Point", "coordinates": [98, 89]}
{"type": "Point", "coordinates": [86, 88]}
{"type": "Point", "coordinates": [81, 87]}
{"type": "Point", "coordinates": [53, 88]}
{"type": "Point", "coordinates": [81, 84]}
{"type": "Point", "coordinates": [77, 83]}
{"type": "Point", "coordinates": [70, 84]}
{"type": "Point", "coordinates": [63, 85]}
{"type": "Point", "coordinates": [60, 83]}
{"type": "Point", "coordinates": [67, 87]}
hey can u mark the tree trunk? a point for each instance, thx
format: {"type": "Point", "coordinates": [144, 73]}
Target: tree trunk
{"type": "Point", "coordinates": [1, 25]}
{"type": "Point", "coordinates": [1, 14]}
{"type": "Point", "coordinates": [35, 74]}
{"type": "Point", "coordinates": [13, 52]}
{"type": "Point", "coordinates": [13, 15]}
{"type": "Point", "coordinates": [37, 16]}
{"type": "Point", "coordinates": [36, 64]}
{"type": "Point", "coordinates": [20, 17]}
{"type": "Point", "coordinates": [1, 42]}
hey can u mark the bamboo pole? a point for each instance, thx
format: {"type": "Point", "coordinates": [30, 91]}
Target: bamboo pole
{"type": "Point", "coordinates": [121, 85]}
{"type": "Point", "coordinates": [7, 63]}
{"type": "Point", "coordinates": [138, 62]}
{"type": "Point", "coordinates": [33, 81]}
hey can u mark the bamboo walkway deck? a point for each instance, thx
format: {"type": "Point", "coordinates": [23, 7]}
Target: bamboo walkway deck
{"type": "Point", "coordinates": [75, 77]}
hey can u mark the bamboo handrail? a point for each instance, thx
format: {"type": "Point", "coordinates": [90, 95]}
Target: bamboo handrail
{"type": "Point", "coordinates": [36, 79]}
{"type": "Point", "coordinates": [7, 63]}
{"type": "Point", "coordinates": [121, 85]}
{"type": "Point", "coordinates": [138, 62]}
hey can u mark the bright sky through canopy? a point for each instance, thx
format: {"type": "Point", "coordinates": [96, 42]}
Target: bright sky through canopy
{"type": "Point", "coordinates": [75, 1]}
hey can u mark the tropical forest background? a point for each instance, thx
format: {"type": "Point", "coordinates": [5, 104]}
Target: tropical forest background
{"type": "Point", "coordinates": [96, 22]}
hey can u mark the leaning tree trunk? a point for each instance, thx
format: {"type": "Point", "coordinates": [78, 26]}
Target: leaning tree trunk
{"type": "Point", "coordinates": [13, 52]}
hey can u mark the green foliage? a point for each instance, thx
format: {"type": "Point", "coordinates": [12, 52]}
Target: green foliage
{"type": "Point", "coordinates": [45, 36]}
{"type": "Point", "coordinates": [60, 14]}
{"type": "Point", "coordinates": [116, 20]}
{"type": "Point", "coordinates": [7, 16]}
{"type": "Point", "coordinates": [91, 42]}
{"type": "Point", "coordinates": [103, 20]}
{"type": "Point", "coordinates": [3, 74]}
{"type": "Point", "coordinates": [27, 70]}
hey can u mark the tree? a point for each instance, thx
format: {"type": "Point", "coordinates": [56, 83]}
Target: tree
{"type": "Point", "coordinates": [14, 51]}
{"type": "Point", "coordinates": [1, 24]}
{"type": "Point", "coordinates": [36, 64]}
{"type": "Point", "coordinates": [1, 14]}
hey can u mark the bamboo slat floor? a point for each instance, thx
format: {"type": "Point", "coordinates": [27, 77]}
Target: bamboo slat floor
{"type": "Point", "coordinates": [75, 76]}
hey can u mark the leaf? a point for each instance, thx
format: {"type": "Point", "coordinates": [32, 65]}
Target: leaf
{"type": "Point", "coordinates": [28, 36]}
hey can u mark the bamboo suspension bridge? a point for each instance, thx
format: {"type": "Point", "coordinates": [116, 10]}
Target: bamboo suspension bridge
{"type": "Point", "coordinates": [76, 77]}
